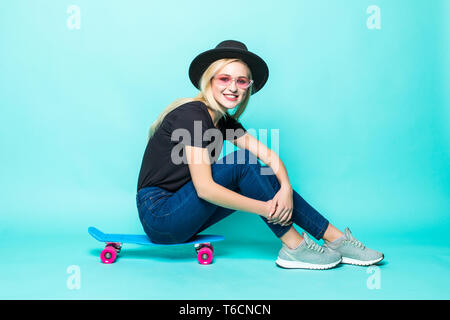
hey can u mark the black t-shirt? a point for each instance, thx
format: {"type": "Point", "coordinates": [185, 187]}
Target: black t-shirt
{"type": "Point", "coordinates": [164, 163]}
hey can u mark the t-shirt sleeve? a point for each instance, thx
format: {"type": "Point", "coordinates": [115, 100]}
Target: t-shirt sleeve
{"type": "Point", "coordinates": [190, 124]}
{"type": "Point", "coordinates": [232, 128]}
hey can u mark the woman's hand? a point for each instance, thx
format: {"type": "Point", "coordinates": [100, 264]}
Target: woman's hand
{"type": "Point", "coordinates": [281, 207]}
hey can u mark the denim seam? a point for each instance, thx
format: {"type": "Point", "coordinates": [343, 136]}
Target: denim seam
{"type": "Point", "coordinates": [322, 232]}
{"type": "Point", "coordinates": [153, 206]}
{"type": "Point", "coordinates": [181, 204]}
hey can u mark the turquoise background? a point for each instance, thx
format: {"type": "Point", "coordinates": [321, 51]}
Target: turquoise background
{"type": "Point", "coordinates": [364, 131]}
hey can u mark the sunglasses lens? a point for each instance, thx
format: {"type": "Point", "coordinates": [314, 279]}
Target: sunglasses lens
{"type": "Point", "coordinates": [224, 80]}
{"type": "Point", "coordinates": [241, 82]}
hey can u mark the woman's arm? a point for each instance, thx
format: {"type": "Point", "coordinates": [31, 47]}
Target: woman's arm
{"type": "Point", "coordinates": [209, 190]}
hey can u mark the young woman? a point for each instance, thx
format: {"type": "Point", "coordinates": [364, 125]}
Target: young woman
{"type": "Point", "coordinates": [183, 188]}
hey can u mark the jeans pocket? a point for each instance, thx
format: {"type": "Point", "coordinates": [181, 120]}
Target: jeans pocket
{"type": "Point", "coordinates": [148, 198]}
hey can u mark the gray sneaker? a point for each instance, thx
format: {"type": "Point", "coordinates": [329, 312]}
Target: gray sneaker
{"type": "Point", "coordinates": [353, 251]}
{"type": "Point", "coordinates": [308, 255]}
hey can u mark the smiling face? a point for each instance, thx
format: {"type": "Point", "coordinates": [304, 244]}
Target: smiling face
{"type": "Point", "coordinates": [230, 96]}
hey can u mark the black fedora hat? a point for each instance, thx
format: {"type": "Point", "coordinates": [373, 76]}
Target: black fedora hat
{"type": "Point", "coordinates": [230, 49]}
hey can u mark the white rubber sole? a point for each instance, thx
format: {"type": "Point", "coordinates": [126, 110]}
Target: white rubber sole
{"type": "Point", "coordinates": [360, 262]}
{"type": "Point", "coordinates": [304, 265]}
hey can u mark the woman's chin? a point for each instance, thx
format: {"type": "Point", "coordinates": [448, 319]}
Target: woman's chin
{"type": "Point", "coordinates": [229, 105]}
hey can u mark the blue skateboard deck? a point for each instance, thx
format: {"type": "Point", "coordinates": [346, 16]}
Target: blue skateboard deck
{"type": "Point", "coordinates": [114, 243]}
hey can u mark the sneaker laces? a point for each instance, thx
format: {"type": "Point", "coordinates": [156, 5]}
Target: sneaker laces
{"type": "Point", "coordinates": [349, 238]}
{"type": "Point", "coordinates": [314, 246]}
{"type": "Point", "coordinates": [356, 243]}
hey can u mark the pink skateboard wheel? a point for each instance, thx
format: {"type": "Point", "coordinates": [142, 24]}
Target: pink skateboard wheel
{"type": "Point", "coordinates": [207, 245]}
{"type": "Point", "coordinates": [108, 255]}
{"type": "Point", "coordinates": [205, 255]}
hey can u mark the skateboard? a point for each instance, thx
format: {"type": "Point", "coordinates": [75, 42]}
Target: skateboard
{"type": "Point", "coordinates": [201, 242]}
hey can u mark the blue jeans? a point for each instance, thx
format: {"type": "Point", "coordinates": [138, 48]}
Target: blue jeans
{"type": "Point", "coordinates": [174, 217]}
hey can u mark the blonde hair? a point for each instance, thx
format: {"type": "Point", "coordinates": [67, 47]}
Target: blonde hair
{"type": "Point", "coordinates": [206, 96]}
